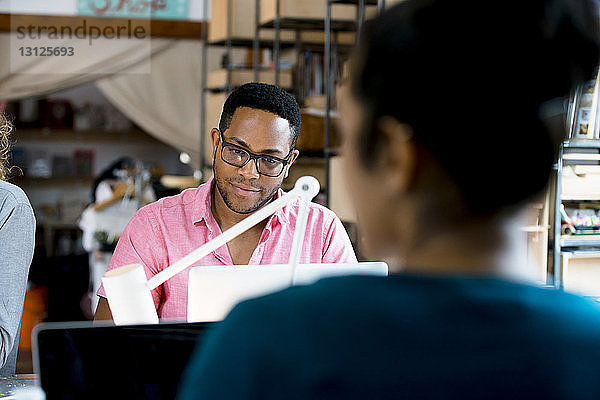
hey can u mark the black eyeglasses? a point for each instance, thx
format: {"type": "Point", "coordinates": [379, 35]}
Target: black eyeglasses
{"type": "Point", "coordinates": [265, 165]}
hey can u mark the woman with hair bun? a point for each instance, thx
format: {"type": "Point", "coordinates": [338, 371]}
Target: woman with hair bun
{"type": "Point", "coordinates": [17, 235]}
{"type": "Point", "coordinates": [449, 127]}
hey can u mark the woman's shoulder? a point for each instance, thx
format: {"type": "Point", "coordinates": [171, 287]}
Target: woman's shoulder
{"type": "Point", "coordinates": [14, 202]}
{"type": "Point", "coordinates": [381, 296]}
{"type": "Point", "coordinates": [12, 194]}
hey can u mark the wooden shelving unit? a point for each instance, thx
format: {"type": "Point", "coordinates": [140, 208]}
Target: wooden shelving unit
{"type": "Point", "coordinates": [281, 24]}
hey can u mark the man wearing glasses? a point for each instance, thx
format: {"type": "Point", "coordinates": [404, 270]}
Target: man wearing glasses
{"type": "Point", "coordinates": [253, 150]}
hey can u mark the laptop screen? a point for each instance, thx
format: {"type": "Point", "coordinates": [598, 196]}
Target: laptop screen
{"type": "Point", "coordinates": [214, 290]}
{"type": "Point", "coordinates": [135, 362]}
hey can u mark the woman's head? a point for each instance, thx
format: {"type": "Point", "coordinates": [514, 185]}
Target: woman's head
{"type": "Point", "coordinates": [447, 101]}
{"type": "Point", "coordinates": [5, 130]}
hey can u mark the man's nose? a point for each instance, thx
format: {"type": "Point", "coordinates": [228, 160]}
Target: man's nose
{"type": "Point", "coordinates": [250, 170]}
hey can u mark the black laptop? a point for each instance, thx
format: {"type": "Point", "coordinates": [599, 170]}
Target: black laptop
{"type": "Point", "coordinates": [92, 361]}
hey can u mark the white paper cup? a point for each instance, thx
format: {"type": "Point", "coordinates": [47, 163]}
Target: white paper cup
{"type": "Point", "coordinates": [128, 296]}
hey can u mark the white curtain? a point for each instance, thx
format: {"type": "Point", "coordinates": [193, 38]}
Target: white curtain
{"type": "Point", "coordinates": [22, 76]}
{"type": "Point", "coordinates": [156, 83]}
{"type": "Point", "coordinates": [166, 102]}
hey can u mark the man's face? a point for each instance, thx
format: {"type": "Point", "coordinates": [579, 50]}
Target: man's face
{"type": "Point", "coordinates": [243, 189]}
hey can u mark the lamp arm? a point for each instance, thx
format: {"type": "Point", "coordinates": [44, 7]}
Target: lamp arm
{"type": "Point", "coordinates": [309, 188]}
{"type": "Point", "coordinates": [222, 239]}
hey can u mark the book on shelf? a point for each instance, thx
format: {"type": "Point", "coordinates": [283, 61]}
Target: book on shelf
{"type": "Point", "coordinates": [83, 161]}
{"type": "Point", "coordinates": [62, 165]}
{"type": "Point", "coordinates": [18, 157]}
{"type": "Point", "coordinates": [312, 71]}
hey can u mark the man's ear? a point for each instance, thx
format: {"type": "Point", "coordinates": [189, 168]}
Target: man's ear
{"type": "Point", "coordinates": [214, 137]}
{"type": "Point", "coordinates": [293, 158]}
{"type": "Point", "coordinates": [398, 161]}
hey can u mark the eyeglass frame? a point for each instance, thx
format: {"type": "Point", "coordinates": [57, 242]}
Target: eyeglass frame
{"type": "Point", "coordinates": [253, 156]}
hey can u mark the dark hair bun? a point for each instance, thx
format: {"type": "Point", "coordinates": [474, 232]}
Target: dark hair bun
{"type": "Point", "coordinates": [471, 78]}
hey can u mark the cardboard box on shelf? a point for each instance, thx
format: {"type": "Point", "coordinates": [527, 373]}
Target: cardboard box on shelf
{"type": "Point", "coordinates": [218, 79]}
{"type": "Point", "coordinates": [301, 168]}
{"type": "Point", "coordinates": [314, 37]}
{"type": "Point", "coordinates": [243, 26]}
{"type": "Point", "coordinates": [242, 22]}
{"type": "Point", "coordinates": [339, 199]}
{"type": "Point", "coordinates": [308, 9]}
{"type": "Point", "coordinates": [318, 102]}
{"type": "Point", "coordinates": [311, 133]}
{"type": "Point", "coordinates": [581, 272]}
{"type": "Point", "coordinates": [581, 182]}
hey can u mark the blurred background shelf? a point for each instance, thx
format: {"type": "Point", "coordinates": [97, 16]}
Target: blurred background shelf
{"type": "Point", "coordinates": [310, 24]}
{"type": "Point", "coordinates": [582, 143]}
{"type": "Point", "coordinates": [54, 180]}
{"type": "Point", "coordinates": [582, 197]}
{"type": "Point", "coordinates": [355, 2]}
{"type": "Point", "coordinates": [580, 240]}
{"type": "Point", "coordinates": [95, 135]}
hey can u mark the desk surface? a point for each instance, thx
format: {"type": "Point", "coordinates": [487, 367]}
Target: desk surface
{"type": "Point", "coordinates": [9, 386]}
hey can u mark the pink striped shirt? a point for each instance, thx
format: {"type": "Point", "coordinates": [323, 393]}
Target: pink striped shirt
{"type": "Point", "coordinates": [163, 232]}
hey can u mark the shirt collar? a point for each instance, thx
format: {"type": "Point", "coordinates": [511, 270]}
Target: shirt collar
{"type": "Point", "coordinates": [203, 202]}
{"type": "Point", "coordinates": [282, 214]}
{"type": "Point", "coordinates": [203, 210]}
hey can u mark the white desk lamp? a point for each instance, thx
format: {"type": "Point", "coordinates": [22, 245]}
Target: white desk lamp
{"type": "Point", "coordinates": [128, 291]}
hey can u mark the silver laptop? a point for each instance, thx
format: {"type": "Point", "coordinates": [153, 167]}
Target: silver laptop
{"type": "Point", "coordinates": [213, 291]}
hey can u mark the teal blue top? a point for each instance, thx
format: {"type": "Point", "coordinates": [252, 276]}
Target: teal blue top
{"type": "Point", "coordinates": [403, 337]}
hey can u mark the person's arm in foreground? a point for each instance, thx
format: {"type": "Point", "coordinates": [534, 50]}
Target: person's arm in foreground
{"type": "Point", "coordinates": [17, 235]}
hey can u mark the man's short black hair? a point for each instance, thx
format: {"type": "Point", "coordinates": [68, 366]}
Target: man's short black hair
{"type": "Point", "coordinates": [262, 96]}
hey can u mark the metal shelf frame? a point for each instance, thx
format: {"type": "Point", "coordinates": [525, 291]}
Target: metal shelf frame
{"type": "Point", "coordinates": [298, 25]}
{"type": "Point", "coordinates": [204, 72]}
{"type": "Point", "coordinates": [331, 67]}
{"type": "Point", "coordinates": [305, 24]}
{"type": "Point", "coordinates": [331, 48]}
{"type": "Point", "coordinates": [229, 43]}
{"type": "Point", "coordinates": [559, 241]}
